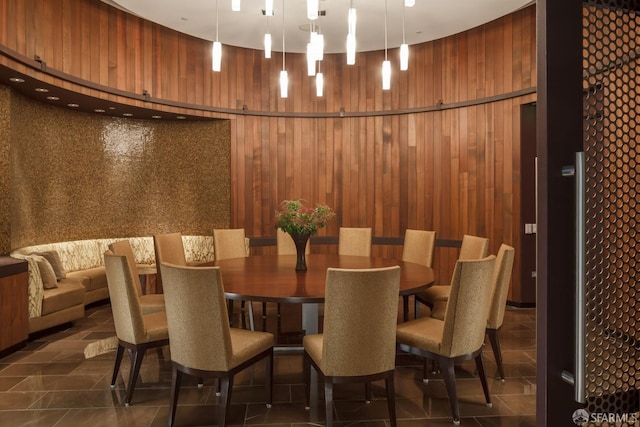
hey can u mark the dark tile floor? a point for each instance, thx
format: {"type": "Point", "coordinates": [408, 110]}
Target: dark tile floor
{"type": "Point", "coordinates": [50, 383]}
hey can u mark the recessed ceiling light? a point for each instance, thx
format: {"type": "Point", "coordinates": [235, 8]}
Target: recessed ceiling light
{"type": "Point", "coordinates": [156, 117]}
{"type": "Point", "coordinates": [127, 114]}
{"type": "Point", "coordinates": [17, 80]}
{"type": "Point", "coordinates": [53, 98]}
{"type": "Point", "coordinates": [73, 105]}
{"type": "Point", "coordinates": [180, 117]}
{"type": "Point", "coordinates": [112, 108]}
{"type": "Point", "coordinates": [99, 110]}
{"type": "Point", "coordinates": [42, 90]}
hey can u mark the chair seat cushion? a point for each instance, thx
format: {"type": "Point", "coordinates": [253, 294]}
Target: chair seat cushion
{"type": "Point", "coordinates": [424, 333]}
{"type": "Point", "coordinates": [152, 303]}
{"type": "Point", "coordinates": [436, 293]}
{"type": "Point", "coordinates": [313, 346]}
{"type": "Point", "coordinates": [247, 344]}
{"type": "Point", "coordinates": [155, 325]}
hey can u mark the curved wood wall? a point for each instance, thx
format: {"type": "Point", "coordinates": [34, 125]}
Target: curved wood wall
{"type": "Point", "coordinates": [396, 159]}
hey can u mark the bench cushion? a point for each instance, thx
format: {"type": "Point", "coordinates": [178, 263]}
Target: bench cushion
{"type": "Point", "coordinates": [69, 293]}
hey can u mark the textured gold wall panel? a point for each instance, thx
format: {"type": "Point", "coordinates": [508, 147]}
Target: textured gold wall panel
{"type": "Point", "coordinates": [5, 178]}
{"type": "Point", "coordinates": [78, 176]}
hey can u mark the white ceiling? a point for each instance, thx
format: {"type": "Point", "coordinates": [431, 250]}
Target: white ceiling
{"type": "Point", "coordinates": [427, 20]}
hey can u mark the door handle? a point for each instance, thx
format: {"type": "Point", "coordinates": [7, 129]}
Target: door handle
{"type": "Point", "coordinates": [578, 378]}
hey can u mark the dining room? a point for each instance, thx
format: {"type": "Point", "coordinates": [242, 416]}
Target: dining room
{"type": "Point", "coordinates": [116, 125]}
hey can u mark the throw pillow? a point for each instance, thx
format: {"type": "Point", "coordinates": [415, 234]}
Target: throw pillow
{"type": "Point", "coordinates": [54, 259]}
{"type": "Point", "coordinates": [49, 280]}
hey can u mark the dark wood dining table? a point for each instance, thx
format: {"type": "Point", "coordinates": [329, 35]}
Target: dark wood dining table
{"type": "Point", "coordinates": [272, 278]}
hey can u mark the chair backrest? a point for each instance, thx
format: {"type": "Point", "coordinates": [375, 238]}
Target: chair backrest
{"type": "Point", "coordinates": [418, 246]}
{"type": "Point", "coordinates": [360, 316]}
{"type": "Point", "coordinates": [123, 247]}
{"type": "Point", "coordinates": [199, 334]}
{"type": "Point", "coordinates": [229, 243]}
{"type": "Point", "coordinates": [285, 244]}
{"type": "Point", "coordinates": [169, 248]}
{"type": "Point", "coordinates": [354, 241]}
{"type": "Point", "coordinates": [127, 314]}
{"type": "Point", "coordinates": [501, 279]}
{"type": "Point", "coordinates": [465, 318]}
{"type": "Point", "coordinates": [473, 247]}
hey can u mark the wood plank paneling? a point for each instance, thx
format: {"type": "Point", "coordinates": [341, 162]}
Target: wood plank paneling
{"type": "Point", "coordinates": [453, 170]}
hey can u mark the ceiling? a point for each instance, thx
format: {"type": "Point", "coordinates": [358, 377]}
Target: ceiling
{"type": "Point", "coordinates": [424, 22]}
{"type": "Point", "coordinates": [427, 20]}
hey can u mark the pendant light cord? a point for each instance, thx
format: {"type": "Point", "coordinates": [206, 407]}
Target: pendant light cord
{"type": "Point", "coordinates": [217, 20]}
{"type": "Point", "coordinates": [283, 66]}
{"type": "Point", "coordinates": [385, 30]}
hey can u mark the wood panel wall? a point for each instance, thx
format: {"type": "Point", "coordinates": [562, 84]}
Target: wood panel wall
{"type": "Point", "coordinates": [396, 159]}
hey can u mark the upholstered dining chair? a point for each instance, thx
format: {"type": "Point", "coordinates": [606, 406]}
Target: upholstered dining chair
{"type": "Point", "coordinates": [473, 247]}
{"type": "Point", "coordinates": [418, 246]}
{"type": "Point", "coordinates": [460, 336]}
{"type": "Point", "coordinates": [231, 243]}
{"type": "Point", "coordinates": [358, 339]}
{"type": "Point", "coordinates": [201, 341]}
{"type": "Point", "coordinates": [149, 303]}
{"type": "Point", "coordinates": [501, 279]}
{"type": "Point", "coordinates": [354, 241]}
{"type": "Point", "coordinates": [500, 289]}
{"type": "Point", "coordinates": [168, 247]}
{"type": "Point", "coordinates": [135, 330]}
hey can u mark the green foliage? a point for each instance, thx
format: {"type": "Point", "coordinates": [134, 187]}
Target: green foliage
{"type": "Point", "coordinates": [294, 217]}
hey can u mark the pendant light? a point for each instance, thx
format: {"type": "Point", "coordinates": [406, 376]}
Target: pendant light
{"type": "Point", "coordinates": [386, 65]}
{"type": "Point", "coordinates": [267, 42]}
{"type": "Point", "coordinates": [312, 9]}
{"type": "Point", "coordinates": [216, 51]}
{"type": "Point", "coordinates": [284, 78]}
{"type": "Point", "coordinates": [404, 49]}
{"type": "Point", "coordinates": [351, 35]}
{"type": "Point", "coordinates": [268, 7]}
{"type": "Point", "coordinates": [319, 82]}
{"type": "Point", "coordinates": [311, 60]}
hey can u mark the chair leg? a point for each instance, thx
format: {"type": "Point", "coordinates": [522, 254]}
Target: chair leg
{"type": "Point", "coordinates": [116, 367]}
{"type": "Point", "coordinates": [176, 378]}
{"type": "Point", "coordinates": [446, 365]}
{"type": "Point", "coordinates": [227, 383]}
{"type": "Point", "coordinates": [391, 399]}
{"type": "Point", "coordinates": [252, 326]}
{"type": "Point", "coordinates": [269, 379]}
{"type": "Point", "coordinates": [367, 392]}
{"type": "Point", "coordinates": [405, 307]}
{"type": "Point", "coordinates": [264, 317]}
{"type": "Point", "coordinates": [230, 311]}
{"type": "Point", "coordinates": [306, 373]}
{"type": "Point", "coordinates": [483, 378]}
{"type": "Point", "coordinates": [133, 375]}
{"type": "Point", "coordinates": [495, 345]}
{"type": "Point", "coordinates": [328, 402]}
{"type": "Point", "coordinates": [243, 321]}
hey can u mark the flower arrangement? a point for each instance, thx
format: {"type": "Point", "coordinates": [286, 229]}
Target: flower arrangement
{"type": "Point", "coordinates": [293, 217]}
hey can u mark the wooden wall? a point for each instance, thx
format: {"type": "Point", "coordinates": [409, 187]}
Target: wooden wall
{"type": "Point", "coordinates": [435, 152]}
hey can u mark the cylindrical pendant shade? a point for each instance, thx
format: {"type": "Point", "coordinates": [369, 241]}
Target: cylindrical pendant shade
{"type": "Point", "coordinates": [216, 56]}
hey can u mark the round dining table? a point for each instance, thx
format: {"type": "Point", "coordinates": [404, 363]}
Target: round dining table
{"type": "Point", "coordinates": [273, 278]}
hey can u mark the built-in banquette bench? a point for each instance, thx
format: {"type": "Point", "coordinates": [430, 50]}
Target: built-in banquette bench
{"type": "Point", "coordinates": [66, 276]}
